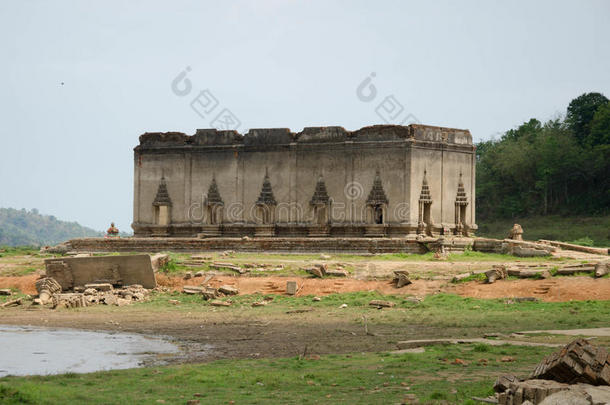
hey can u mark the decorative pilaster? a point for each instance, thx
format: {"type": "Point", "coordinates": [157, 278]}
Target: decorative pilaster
{"type": "Point", "coordinates": [425, 201]}
{"type": "Point", "coordinates": [461, 202]}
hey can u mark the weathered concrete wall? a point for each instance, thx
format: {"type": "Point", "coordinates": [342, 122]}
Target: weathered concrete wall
{"type": "Point", "coordinates": [347, 162]}
{"type": "Point", "coordinates": [117, 270]}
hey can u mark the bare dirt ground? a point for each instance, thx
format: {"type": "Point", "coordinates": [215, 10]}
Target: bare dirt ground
{"type": "Point", "coordinates": [242, 334]}
{"type": "Point", "coordinates": [556, 289]}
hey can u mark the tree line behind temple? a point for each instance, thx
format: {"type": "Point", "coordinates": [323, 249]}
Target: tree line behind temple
{"type": "Point", "coordinates": [559, 167]}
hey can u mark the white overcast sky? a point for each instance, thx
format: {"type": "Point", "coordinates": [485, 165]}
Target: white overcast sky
{"type": "Point", "coordinates": [67, 149]}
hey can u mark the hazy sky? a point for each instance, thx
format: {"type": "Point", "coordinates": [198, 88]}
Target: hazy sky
{"type": "Point", "coordinates": [66, 149]}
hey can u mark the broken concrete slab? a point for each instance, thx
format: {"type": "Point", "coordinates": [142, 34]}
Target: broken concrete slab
{"type": "Point", "coordinates": [116, 270]}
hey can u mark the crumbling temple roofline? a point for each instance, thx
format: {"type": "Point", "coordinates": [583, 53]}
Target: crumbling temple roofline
{"type": "Point", "coordinates": [309, 135]}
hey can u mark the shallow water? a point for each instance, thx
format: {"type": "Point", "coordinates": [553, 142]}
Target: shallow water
{"type": "Point", "coordinates": [28, 350]}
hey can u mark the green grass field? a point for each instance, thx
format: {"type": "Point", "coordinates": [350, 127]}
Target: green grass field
{"type": "Point", "coordinates": [368, 378]}
{"type": "Point", "coordinates": [552, 227]}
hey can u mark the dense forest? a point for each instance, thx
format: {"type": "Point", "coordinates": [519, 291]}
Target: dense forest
{"type": "Point", "coordinates": [559, 167]}
{"type": "Point", "coordinates": [30, 228]}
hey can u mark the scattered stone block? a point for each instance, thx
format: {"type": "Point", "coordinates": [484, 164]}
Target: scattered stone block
{"type": "Point", "coordinates": [11, 303]}
{"type": "Point", "coordinates": [228, 290]}
{"type": "Point", "coordinates": [158, 261]}
{"type": "Point", "coordinates": [602, 268]}
{"type": "Point", "coordinates": [401, 278]}
{"type": "Point", "coordinates": [200, 274]}
{"type": "Point", "coordinates": [110, 299]}
{"type": "Point", "coordinates": [6, 291]}
{"type": "Point", "coordinates": [209, 293]}
{"type": "Point", "coordinates": [318, 270]}
{"type": "Point", "coordinates": [192, 289]}
{"type": "Point", "coordinates": [100, 286]}
{"type": "Point", "coordinates": [122, 302]}
{"type": "Point", "coordinates": [227, 266]}
{"type": "Point", "coordinates": [188, 275]}
{"type": "Point", "coordinates": [218, 303]}
{"type": "Point", "coordinates": [291, 287]}
{"type": "Point", "coordinates": [578, 362]}
{"type": "Point", "coordinates": [460, 277]}
{"type": "Point", "coordinates": [317, 299]}
{"type": "Point", "coordinates": [498, 272]}
{"type": "Point", "coordinates": [382, 304]}
{"type": "Point", "coordinates": [260, 303]}
{"type": "Point", "coordinates": [337, 273]}
{"type": "Point", "coordinates": [325, 257]}
{"type": "Point", "coordinates": [46, 288]}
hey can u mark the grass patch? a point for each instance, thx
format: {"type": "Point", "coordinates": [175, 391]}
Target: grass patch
{"type": "Point", "coordinates": [359, 378]}
{"type": "Point", "coordinates": [450, 314]}
{"type": "Point", "coordinates": [595, 231]}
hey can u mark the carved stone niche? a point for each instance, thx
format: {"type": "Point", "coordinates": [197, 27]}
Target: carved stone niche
{"type": "Point", "coordinates": [265, 210]}
{"type": "Point", "coordinates": [320, 211]}
{"type": "Point", "coordinates": [162, 210]}
{"type": "Point", "coordinates": [376, 209]}
{"type": "Point", "coordinates": [214, 212]}
{"type": "Point", "coordinates": [424, 222]}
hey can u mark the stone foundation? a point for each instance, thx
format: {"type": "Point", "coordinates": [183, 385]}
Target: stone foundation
{"type": "Point", "coordinates": [266, 244]}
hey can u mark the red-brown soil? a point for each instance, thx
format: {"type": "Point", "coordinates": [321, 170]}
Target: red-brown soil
{"type": "Point", "coordinates": [553, 290]}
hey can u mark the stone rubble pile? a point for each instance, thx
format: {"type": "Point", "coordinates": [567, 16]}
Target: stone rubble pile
{"type": "Point", "coordinates": [50, 293]}
{"type": "Point", "coordinates": [501, 271]}
{"type": "Point", "coordinates": [210, 293]}
{"type": "Point", "coordinates": [580, 371]}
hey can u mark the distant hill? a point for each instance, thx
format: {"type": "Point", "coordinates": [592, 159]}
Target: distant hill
{"type": "Point", "coordinates": [30, 228]}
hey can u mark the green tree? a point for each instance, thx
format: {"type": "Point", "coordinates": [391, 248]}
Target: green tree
{"type": "Point", "coordinates": [580, 114]}
{"type": "Point", "coordinates": [600, 126]}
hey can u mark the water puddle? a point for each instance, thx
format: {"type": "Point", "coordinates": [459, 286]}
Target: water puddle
{"type": "Point", "coordinates": [28, 350]}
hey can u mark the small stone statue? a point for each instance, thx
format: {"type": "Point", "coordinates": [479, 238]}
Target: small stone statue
{"type": "Point", "coordinates": [112, 231]}
{"type": "Point", "coordinates": [516, 233]}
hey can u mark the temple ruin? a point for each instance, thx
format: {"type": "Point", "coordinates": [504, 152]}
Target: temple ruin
{"type": "Point", "coordinates": [378, 181]}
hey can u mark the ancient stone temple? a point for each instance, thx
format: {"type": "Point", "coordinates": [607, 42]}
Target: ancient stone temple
{"type": "Point", "coordinates": [378, 181]}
